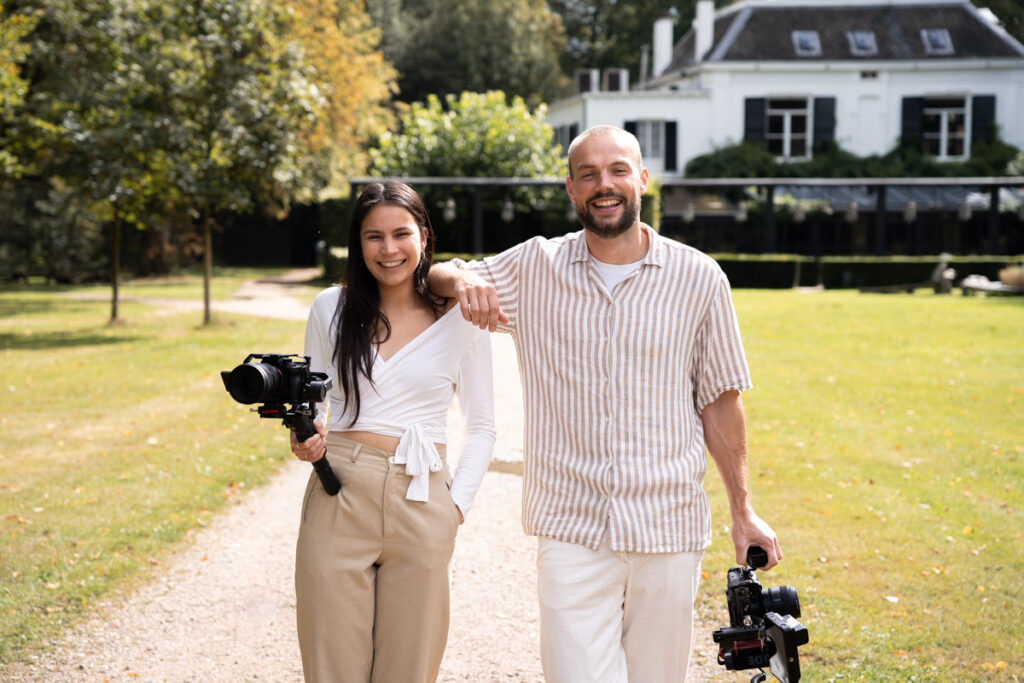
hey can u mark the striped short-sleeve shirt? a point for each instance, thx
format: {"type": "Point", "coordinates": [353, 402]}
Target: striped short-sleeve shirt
{"type": "Point", "coordinates": [613, 386]}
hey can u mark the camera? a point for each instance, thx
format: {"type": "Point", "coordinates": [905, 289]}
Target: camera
{"type": "Point", "coordinates": [277, 381]}
{"type": "Point", "coordinates": [763, 628]}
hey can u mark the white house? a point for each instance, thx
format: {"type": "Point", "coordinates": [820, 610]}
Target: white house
{"type": "Point", "coordinates": [941, 74]}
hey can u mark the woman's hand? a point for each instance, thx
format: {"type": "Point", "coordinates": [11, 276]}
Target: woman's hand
{"type": "Point", "coordinates": [313, 448]}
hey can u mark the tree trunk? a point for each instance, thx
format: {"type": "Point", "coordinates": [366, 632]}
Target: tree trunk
{"type": "Point", "coordinates": [207, 266]}
{"type": "Point", "coordinates": [115, 270]}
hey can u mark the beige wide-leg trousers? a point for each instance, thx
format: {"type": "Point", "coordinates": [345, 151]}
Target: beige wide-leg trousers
{"type": "Point", "coordinates": [371, 571]}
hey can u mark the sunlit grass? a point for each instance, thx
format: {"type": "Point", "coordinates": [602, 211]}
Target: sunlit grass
{"type": "Point", "coordinates": [117, 442]}
{"type": "Point", "coordinates": [886, 449]}
{"type": "Point", "coordinates": [886, 446]}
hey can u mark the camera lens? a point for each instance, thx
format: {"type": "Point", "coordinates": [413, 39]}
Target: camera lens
{"type": "Point", "coordinates": [253, 382]}
{"type": "Point", "coordinates": [781, 599]}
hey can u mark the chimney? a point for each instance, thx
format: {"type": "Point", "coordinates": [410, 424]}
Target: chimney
{"type": "Point", "coordinates": [704, 26]}
{"type": "Point", "coordinates": [662, 56]}
{"type": "Point", "coordinates": [645, 50]}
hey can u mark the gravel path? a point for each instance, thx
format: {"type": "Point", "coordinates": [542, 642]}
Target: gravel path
{"type": "Point", "coordinates": [223, 609]}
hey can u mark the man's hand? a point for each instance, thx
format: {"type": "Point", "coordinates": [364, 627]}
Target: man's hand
{"type": "Point", "coordinates": [749, 529]}
{"type": "Point", "coordinates": [477, 298]}
{"type": "Point", "coordinates": [479, 301]}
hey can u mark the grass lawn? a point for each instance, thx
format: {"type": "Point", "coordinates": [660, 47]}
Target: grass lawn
{"type": "Point", "coordinates": [118, 442]}
{"type": "Point", "coordinates": [887, 449]}
{"type": "Point", "coordinates": [886, 444]}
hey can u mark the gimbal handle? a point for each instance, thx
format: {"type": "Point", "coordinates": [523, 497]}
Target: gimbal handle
{"type": "Point", "coordinates": [302, 425]}
{"type": "Point", "coordinates": [756, 557]}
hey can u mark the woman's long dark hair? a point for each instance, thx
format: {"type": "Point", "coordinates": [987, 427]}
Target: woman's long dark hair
{"type": "Point", "coordinates": [362, 323]}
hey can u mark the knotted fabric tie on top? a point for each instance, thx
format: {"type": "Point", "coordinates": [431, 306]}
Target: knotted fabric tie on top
{"type": "Point", "coordinates": [419, 455]}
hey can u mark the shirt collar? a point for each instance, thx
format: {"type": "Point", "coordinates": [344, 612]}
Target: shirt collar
{"type": "Point", "coordinates": [655, 255]}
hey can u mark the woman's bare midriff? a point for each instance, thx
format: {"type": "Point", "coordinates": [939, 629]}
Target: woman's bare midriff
{"type": "Point", "coordinates": [381, 441]}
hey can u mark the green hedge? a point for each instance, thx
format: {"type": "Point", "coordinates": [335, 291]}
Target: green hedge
{"type": "Point", "coordinates": [844, 272]}
{"type": "Point", "coordinates": [779, 271]}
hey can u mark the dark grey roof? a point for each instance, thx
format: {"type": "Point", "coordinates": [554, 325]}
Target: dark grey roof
{"type": "Point", "coordinates": [755, 32]}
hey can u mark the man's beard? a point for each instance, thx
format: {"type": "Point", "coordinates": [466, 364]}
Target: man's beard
{"type": "Point", "coordinates": [630, 215]}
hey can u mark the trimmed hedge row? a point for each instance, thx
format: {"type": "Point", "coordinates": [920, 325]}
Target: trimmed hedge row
{"type": "Point", "coordinates": [845, 272]}
{"type": "Point", "coordinates": [779, 271]}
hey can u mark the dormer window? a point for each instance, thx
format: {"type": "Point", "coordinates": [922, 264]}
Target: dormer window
{"type": "Point", "coordinates": [937, 41]}
{"type": "Point", "coordinates": [862, 43]}
{"type": "Point", "coordinates": [807, 43]}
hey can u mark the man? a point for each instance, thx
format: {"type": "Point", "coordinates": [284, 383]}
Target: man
{"type": "Point", "coordinates": [631, 362]}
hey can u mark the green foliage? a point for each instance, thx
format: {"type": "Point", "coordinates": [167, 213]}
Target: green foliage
{"type": "Point", "coordinates": [481, 45]}
{"type": "Point", "coordinates": [610, 33]}
{"type": "Point", "coordinates": [1010, 15]}
{"type": "Point", "coordinates": [13, 51]}
{"type": "Point", "coordinates": [147, 111]}
{"type": "Point", "coordinates": [1016, 165]}
{"type": "Point", "coordinates": [745, 160]}
{"type": "Point", "coordinates": [772, 271]}
{"type": "Point", "coordinates": [470, 135]}
{"type": "Point", "coordinates": [752, 160]}
{"type": "Point", "coordinates": [473, 135]}
{"type": "Point", "coordinates": [236, 105]}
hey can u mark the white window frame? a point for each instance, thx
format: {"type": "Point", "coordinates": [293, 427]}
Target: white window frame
{"type": "Point", "coordinates": [855, 38]}
{"type": "Point", "coordinates": [942, 34]}
{"type": "Point", "coordinates": [811, 50]}
{"type": "Point", "coordinates": [945, 135]}
{"type": "Point", "coordinates": [651, 135]}
{"type": "Point", "coordinates": [787, 136]}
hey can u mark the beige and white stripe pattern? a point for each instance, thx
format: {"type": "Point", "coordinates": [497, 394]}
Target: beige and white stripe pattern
{"type": "Point", "coordinates": [613, 388]}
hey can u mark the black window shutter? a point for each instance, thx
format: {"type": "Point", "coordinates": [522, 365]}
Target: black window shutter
{"type": "Point", "coordinates": [671, 161]}
{"type": "Point", "coordinates": [630, 127]}
{"type": "Point", "coordinates": [983, 118]}
{"type": "Point", "coordinates": [824, 122]}
{"type": "Point", "coordinates": [910, 130]}
{"type": "Point", "coordinates": [753, 119]}
{"type": "Point", "coordinates": [574, 130]}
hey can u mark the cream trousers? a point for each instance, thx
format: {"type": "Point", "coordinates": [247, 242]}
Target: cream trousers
{"type": "Point", "coordinates": [613, 617]}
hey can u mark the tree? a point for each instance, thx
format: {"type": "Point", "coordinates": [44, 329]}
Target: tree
{"type": "Point", "coordinates": [473, 135]}
{"type": "Point", "coordinates": [357, 84]}
{"type": "Point", "coordinates": [1010, 14]}
{"type": "Point", "coordinates": [13, 51]}
{"type": "Point", "coordinates": [609, 33]}
{"type": "Point", "coordinates": [49, 227]}
{"type": "Point", "coordinates": [481, 45]}
{"type": "Point", "coordinates": [239, 105]}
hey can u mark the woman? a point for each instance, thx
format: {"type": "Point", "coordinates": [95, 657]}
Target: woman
{"type": "Point", "coordinates": [371, 568]}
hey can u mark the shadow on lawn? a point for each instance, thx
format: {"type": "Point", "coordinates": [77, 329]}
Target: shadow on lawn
{"type": "Point", "coordinates": [41, 341]}
{"type": "Point", "coordinates": [11, 306]}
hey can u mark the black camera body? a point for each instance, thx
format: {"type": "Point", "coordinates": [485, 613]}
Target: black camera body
{"type": "Point", "coordinates": [763, 630]}
{"type": "Point", "coordinates": [278, 379]}
{"type": "Point", "coordinates": [287, 390]}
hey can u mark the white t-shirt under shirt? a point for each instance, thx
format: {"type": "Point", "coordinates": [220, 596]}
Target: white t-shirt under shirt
{"type": "Point", "coordinates": [413, 390]}
{"type": "Point", "coordinates": [614, 273]}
